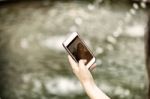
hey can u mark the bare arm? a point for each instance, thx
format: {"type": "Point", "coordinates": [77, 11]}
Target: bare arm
{"type": "Point", "coordinates": [86, 79]}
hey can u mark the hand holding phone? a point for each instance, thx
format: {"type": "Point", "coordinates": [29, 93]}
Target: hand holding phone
{"type": "Point", "coordinates": [78, 50]}
{"type": "Point", "coordinates": [86, 79]}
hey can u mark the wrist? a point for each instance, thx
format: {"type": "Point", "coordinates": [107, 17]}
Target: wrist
{"type": "Point", "coordinates": [89, 84]}
{"type": "Point", "coordinates": [90, 88]}
{"type": "Point", "coordinates": [93, 91]}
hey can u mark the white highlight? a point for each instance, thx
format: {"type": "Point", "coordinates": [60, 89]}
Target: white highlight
{"type": "Point", "coordinates": [135, 6]}
{"type": "Point", "coordinates": [78, 21]}
{"type": "Point", "coordinates": [143, 4]}
{"type": "Point", "coordinates": [99, 50]}
{"type": "Point", "coordinates": [54, 42]}
{"type": "Point", "coordinates": [133, 11]}
{"type": "Point", "coordinates": [135, 31]}
{"type": "Point", "coordinates": [91, 7]}
{"type": "Point", "coordinates": [24, 43]}
{"type": "Point", "coordinates": [63, 86]}
{"type": "Point", "coordinates": [111, 39]}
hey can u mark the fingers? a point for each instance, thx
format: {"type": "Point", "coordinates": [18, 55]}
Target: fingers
{"type": "Point", "coordinates": [82, 63]}
{"type": "Point", "coordinates": [74, 65]}
{"type": "Point", "coordinates": [92, 67]}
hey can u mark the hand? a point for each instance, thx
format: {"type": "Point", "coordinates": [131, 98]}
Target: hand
{"type": "Point", "coordinates": [81, 71]}
{"type": "Point", "coordinates": [85, 77]}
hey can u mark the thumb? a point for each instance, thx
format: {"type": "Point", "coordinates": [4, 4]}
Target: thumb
{"type": "Point", "coordinates": [82, 63]}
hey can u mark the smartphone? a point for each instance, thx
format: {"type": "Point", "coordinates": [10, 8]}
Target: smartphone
{"type": "Point", "coordinates": [77, 49]}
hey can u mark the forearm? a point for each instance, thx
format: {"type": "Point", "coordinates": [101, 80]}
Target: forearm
{"type": "Point", "coordinates": [94, 92]}
{"type": "Point", "coordinates": [85, 77]}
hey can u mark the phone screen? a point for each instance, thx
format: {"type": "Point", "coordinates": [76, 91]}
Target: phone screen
{"type": "Point", "coordinates": [79, 50]}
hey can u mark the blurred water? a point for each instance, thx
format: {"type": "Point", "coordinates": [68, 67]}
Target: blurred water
{"type": "Point", "coordinates": [34, 64]}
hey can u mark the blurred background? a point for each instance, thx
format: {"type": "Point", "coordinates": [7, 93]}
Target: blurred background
{"type": "Point", "coordinates": [34, 65]}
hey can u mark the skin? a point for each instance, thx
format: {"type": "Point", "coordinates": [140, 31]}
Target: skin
{"type": "Point", "coordinates": [86, 79]}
